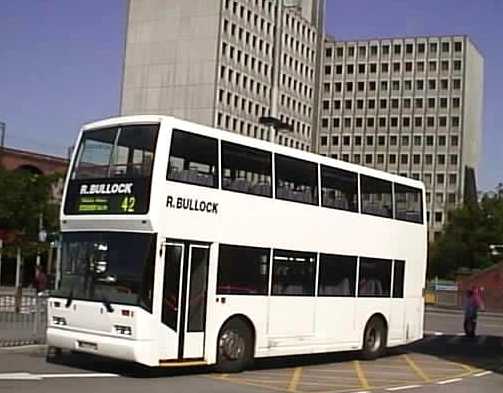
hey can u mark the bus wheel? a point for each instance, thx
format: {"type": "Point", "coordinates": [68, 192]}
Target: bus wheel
{"type": "Point", "coordinates": [234, 347]}
{"type": "Point", "coordinates": [374, 339]}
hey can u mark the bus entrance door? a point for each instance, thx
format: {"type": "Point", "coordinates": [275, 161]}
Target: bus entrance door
{"type": "Point", "coordinates": [184, 295]}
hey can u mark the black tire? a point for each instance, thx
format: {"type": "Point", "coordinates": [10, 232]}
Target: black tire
{"type": "Point", "coordinates": [374, 339]}
{"type": "Point", "coordinates": [234, 347]}
{"type": "Point", "coordinates": [53, 354]}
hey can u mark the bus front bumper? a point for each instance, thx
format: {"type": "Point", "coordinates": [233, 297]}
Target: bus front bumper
{"type": "Point", "coordinates": [140, 351]}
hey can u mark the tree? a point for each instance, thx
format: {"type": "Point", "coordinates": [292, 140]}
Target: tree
{"type": "Point", "coordinates": [466, 238]}
{"type": "Point", "coordinates": [23, 198]}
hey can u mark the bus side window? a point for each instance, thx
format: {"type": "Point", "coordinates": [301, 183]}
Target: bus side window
{"type": "Point", "coordinates": [408, 203]}
{"type": "Point", "coordinates": [293, 273]}
{"type": "Point", "coordinates": [337, 275]}
{"type": "Point", "coordinates": [339, 189]}
{"type": "Point", "coordinates": [242, 270]}
{"type": "Point", "coordinates": [398, 278]}
{"type": "Point", "coordinates": [193, 159]}
{"type": "Point", "coordinates": [376, 197]}
{"type": "Point", "coordinates": [247, 170]}
{"type": "Point", "coordinates": [374, 279]}
{"type": "Point", "coordinates": [296, 180]}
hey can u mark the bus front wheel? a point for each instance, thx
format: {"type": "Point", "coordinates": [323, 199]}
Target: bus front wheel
{"type": "Point", "coordinates": [374, 339]}
{"type": "Point", "coordinates": [234, 347]}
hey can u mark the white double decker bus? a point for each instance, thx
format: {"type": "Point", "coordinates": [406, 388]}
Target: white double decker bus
{"type": "Point", "coordinates": [185, 245]}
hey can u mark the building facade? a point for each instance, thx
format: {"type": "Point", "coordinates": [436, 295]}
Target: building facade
{"type": "Point", "coordinates": [410, 106]}
{"type": "Point", "coordinates": [226, 63]}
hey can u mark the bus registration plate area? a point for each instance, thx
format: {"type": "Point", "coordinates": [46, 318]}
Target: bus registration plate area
{"type": "Point", "coordinates": [87, 345]}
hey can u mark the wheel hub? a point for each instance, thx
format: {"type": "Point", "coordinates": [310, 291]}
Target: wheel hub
{"type": "Point", "coordinates": [232, 345]}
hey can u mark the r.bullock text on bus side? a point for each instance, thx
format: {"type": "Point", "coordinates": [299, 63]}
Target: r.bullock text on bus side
{"type": "Point", "coordinates": [192, 204]}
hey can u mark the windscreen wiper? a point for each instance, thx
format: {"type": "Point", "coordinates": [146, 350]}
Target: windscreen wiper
{"type": "Point", "coordinates": [107, 304]}
{"type": "Point", "coordinates": [69, 300]}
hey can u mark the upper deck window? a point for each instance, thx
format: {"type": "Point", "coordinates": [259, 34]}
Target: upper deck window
{"type": "Point", "coordinates": [193, 159]}
{"type": "Point", "coordinates": [296, 180]}
{"type": "Point", "coordinates": [116, 152]}
{"type": "Point", "coordinates": [408, 203]}
{"type": "Point", "coordinates": [339, 189]}
{"type": "Point", "coordinates": [247, 170]}
{"type": "Point", "coordinates": [376, 197]}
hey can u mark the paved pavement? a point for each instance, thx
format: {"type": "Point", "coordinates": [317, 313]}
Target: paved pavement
{"type": "Point", "coordinates": [441, 362]}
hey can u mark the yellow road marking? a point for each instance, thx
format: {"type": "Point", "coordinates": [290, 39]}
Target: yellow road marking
{"type": "Point", "coordinates": [361, 375]}
{"type": "Point", "coordinates": [417, 369]}
{"type": "Point", "coordinates": [294, 381]}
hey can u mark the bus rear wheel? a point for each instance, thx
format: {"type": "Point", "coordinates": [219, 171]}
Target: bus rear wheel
{"type": "Point", "coordinates": [374, 339]}
{"type": "Point", "coordinates": [234, 347]}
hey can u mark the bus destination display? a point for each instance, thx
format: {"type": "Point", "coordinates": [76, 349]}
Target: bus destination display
{"type": "Point", "coordinates": [127, 197]}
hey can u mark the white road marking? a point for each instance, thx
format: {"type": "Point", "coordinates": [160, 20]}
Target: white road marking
{"type": "Point", "coordinates": [482, 373]}
{"type": "Point", "coordinates": [19, 376]}
{"type": "Point", "coordinates": [38, 377]}
{"type": "Point", "coordinates": [403, 387]}
{"type": "Point", "coordinates": [78, 375]}
{"type": "Point", "coordinates": [449, 381]}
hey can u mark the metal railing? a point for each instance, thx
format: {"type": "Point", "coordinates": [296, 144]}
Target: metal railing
{"type": "Point", "coordinates": [492, 299]}
{"type": "Point", "coordinates": [23, 318]}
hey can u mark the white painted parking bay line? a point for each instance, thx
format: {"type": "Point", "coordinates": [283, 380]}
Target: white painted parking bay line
{"type": "Point", "coordinates": [78, 375]}
{"type": "Point", "coordinates": [403, 387]}
{"type": "Point", "coordinates": [449, 381]}
{"type": "Point", "coordinates": [38, 377]}
{"type": "Point", "coordinates": [482, 373]}
{"type": "Point", "coordinates": [19, 376]}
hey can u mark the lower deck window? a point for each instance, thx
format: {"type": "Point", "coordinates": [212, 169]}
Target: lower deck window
{"type": "Point", "coordinates": [374, 278]}
{"type": "Point", "coordinates": [293, 273]}
{"type": "Point", "coordinates": [398, 278]}
{"type": "Point", "coordinates": [337, 275]}
{"type": "Point", "coordinates": [242, 270]}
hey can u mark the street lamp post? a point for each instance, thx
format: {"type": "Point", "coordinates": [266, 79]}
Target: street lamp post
{"type": "Point", "coordinates": [274, 124]}
{"type": "Point", "coordinates": [2, 140]}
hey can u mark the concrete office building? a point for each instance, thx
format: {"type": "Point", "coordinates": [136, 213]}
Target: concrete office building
{"type": "Point", "coordinates": [411, 106]}
{"type": "Point", "coordinates": [226, 63]}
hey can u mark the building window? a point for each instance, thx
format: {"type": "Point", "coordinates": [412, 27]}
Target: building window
{"type": "Point", "coordinates": [438, 217]}
{"type": "Point", "coordinates": [458, 46]}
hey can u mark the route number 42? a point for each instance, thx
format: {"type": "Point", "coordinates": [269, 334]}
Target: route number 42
{"type": "Point", "coordinates": [127, 204]}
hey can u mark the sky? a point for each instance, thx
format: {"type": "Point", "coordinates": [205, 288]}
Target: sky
{"type": "Point", "coordinates": [61, 61]}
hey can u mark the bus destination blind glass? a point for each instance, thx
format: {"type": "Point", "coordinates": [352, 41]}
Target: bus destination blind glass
{"type": "Point", "coordinates": [125, 197]}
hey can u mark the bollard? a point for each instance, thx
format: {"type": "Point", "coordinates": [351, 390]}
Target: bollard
{"type": "Point", "coordinates": [18, 299]}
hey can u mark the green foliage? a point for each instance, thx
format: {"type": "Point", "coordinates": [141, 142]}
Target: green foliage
{"type": "Point", "coordinates": [466, 238]}
{"type": "Point", "coordinates": [23, 197]}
